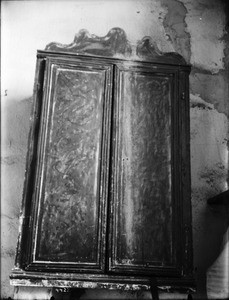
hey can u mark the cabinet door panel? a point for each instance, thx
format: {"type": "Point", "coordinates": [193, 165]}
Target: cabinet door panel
{"type": "Point", "coordinates": [71, 165]}
{"type": "Point", "coordinates": [142, 217]}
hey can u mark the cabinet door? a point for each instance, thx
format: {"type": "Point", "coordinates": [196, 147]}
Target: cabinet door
{"type": "Point", "coordinates": [70, 180]}
{"type": "Point", "coordinates": [143, 209]}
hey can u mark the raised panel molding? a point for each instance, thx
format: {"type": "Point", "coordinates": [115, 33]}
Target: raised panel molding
{"type": "Point", "coordinates": [106, 200]}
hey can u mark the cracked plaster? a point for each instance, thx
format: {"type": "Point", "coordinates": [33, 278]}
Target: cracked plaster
{"type": "Point", "coordinates": [214, 88]}
{"type": "Point", "coordinates": [193, 28]}
{"type": "Point", "coordinates": [209, 151]}
{"type": "Point", "coordinates": [175, 27]}
{"type": "Point", "coordinates": [205, 23]}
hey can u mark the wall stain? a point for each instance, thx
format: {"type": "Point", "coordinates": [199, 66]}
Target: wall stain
{"type": "Point", "coordinates": [176, 27]}
{"type": "Point", "coordinates": [197, 101]}
{"type": "Point", "coordinates": [213, 88]}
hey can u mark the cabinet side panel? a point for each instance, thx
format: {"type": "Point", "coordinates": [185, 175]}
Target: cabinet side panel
{"type": "Point", "coordinates": [143, 185]}
{"type": "Point", "coordinates": [68, 228]}
{"type": "Point", "coordinates": [22, 246]}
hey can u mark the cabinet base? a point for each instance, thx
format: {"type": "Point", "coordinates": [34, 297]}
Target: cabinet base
{"type": "Point", "coordinates": [66, 281]}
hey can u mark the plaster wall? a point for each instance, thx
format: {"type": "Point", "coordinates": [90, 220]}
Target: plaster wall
{"type": "Point", "coordinates": [197, 30]}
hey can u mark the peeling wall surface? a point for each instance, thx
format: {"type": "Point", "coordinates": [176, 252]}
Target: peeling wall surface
{"type": "Point", "coordinates": [196, 29]}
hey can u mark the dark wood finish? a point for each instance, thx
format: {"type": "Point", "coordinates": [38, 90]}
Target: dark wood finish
{"type": "Point", "coordinates": [69, 201]}
{"type": "Point", "coordinates": [184, 221]}
{"type": "Point", "coordinates": [106, 199]}
{"type": "Point", "coordinates": [68, 215]}
{"type": "Point", "coordinates": [142, 236]}
{"type": "Point", "coordinates": [69, 209]}
{"type": "Point", "coordinates": [73, 280]}
{"type": "Point", "coordinates": [23, 247]}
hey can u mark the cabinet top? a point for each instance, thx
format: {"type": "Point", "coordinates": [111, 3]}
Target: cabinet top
{"type": "Point", "coordinates": [116, 45]}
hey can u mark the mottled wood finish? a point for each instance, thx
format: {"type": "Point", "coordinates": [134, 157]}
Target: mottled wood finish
{"type": "Point", "coordinates": [66, 281]}
{"type": "Point", "coordinates": [70, 201]}
{"type": "Point", "coordinates": [114, 43]}
{"type": "Point", "coordinates": [106, 198]}
{"type": "Point", "coordinates": [142, 235]}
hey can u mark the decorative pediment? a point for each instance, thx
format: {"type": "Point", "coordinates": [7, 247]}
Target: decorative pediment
{"type": "Point", "coordinates": [116, 44]}
{"type": "Point", "coordinates": [147, 49]}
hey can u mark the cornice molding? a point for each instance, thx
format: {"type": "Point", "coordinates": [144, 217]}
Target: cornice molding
{"type": "Point", "coordinates": [116, 44]}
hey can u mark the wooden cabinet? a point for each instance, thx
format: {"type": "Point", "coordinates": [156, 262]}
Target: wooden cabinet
{"type": "Point", "coordinates": [107, 186]}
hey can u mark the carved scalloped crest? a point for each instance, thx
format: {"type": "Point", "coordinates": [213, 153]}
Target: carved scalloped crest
{"type": "Point", "coordinates": [115, 43]}
{"type": "Point", "coordinates": [147, 49]}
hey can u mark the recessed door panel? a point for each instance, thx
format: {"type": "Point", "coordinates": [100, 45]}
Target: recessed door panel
{"type": "Point", "coordinates": [70, 177]}
{"type": "Point", "coordinates": [142, 201]}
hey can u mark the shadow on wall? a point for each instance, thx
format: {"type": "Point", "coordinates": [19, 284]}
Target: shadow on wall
{"type": "Point", "coordinates": [217, 277]}
{"type": "Point", "coordinates": [211, 241]}
{"type": "Point", "coordinates": [212, 276]}
{"type": "Point", "coordinates": [209, 164]}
